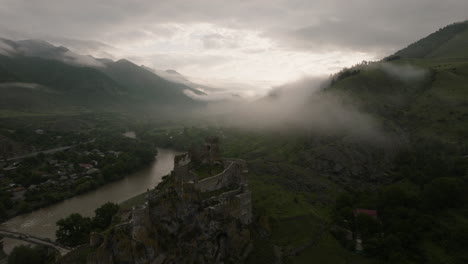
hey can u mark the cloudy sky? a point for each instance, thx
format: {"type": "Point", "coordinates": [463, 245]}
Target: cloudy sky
{"type": "Point", "coordinates": [255, 42]}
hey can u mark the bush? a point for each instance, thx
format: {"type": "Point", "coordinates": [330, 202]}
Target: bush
{"type": "Point", "coordinates": [28, 255]}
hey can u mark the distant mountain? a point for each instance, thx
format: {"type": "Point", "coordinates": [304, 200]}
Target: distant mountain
{"type": "Point", "coordinates": [45, 50]}
{"type": "Point", "coordinates": [61, 84]}
{"type": "Point", "coordinates": [175, 76]}
{"type": "Point", "coordinates": [146, 85]}
{"type": "Point", "coordinates": [37, 75]}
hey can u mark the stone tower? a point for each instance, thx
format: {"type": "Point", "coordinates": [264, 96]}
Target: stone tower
{"type": "Point", "coordinates": [212, 151]}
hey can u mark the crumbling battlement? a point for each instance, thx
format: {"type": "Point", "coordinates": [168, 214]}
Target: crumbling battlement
{"type": "Point", "coordinates": [235, 201]}
{"type": "Point", "coordinates": [186, 219]}
{"type": "Point", "coordinates": [231, 176]}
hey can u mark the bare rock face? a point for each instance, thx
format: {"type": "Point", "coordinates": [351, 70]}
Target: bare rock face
{"type": "Point", "coordinates": [175, 229]}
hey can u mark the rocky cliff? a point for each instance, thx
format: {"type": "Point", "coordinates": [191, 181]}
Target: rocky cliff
{"type": "Point", "coordinates": [182, 223]}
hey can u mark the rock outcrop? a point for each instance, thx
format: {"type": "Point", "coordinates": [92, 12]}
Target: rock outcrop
{"type": "Point", "coordinates": [185, 220]}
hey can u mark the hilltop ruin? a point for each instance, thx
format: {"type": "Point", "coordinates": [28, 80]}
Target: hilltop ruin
{"type": "Point", "coordinates": [200, 213]}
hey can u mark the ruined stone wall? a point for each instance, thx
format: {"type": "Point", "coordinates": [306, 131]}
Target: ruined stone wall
{"type": "Point", "coordinates": [230, 176]}
{"type": "Point", "coordinates": [181, 169]}
{"type": "Point", "coordinates": [244, 214]}
{"type": "Point", "coordinates": [241, 162]}
{"type": "Point", "coordinates": [236, 205]}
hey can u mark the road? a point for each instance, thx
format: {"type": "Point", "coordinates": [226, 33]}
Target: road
{"type": "Point", "coordinates": [35, 240]}
{"type": "Point", "coordinates": [49, 151]}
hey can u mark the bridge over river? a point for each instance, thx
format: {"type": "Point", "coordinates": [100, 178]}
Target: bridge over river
{"type": "Point", "coordinates": [36, 240]}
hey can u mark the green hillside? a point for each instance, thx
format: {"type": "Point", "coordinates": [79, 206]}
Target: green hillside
{"type": "Point", "coordinates": [435, 105]}
{"type": "Point", "coordinates": [448, 42]}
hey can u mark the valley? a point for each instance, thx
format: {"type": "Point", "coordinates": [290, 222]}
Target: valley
{"type": "Point", "coordinates": [369, 165]}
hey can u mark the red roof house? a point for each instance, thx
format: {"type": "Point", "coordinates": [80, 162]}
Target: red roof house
{"type": "Point", "coordinates": [86, 166]}
{"type": "Point", "coordinates": [368, 212]}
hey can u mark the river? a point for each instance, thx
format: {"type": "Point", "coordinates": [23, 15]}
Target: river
{"type": "Point", "coordinates": [42, 222]}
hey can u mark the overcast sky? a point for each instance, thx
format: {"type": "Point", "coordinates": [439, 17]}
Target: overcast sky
{"type": "Point", "coordinates": [259, 42]}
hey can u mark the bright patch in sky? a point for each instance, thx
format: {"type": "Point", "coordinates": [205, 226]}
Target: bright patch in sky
{"type": "Point", "coordinates": [227, 56]}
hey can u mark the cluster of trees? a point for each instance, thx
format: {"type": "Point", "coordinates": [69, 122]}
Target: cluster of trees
{"type": "Point", "coordinates": [425, 206]}
{"type": "Point", "coordinates": [343, 74]}
{"type": "Point", "coordinates": [36, 254]}
{"type": "Point", "coordinates": [180, 138]}
{"type": "Point", "coordinates": [135, 154]}
{"type": "Point", "coordinates": [74, 230]}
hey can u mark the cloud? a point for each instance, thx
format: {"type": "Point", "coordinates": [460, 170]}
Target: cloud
{"type": "Point", "coordinates": [212, 41]}
{"type": "Point", "coordinates": [42, 49]}
{"type": "Point", "coordinates": [82, 60]}
{"type": "Point", "coordinates": [299, 107]}
{"type": "Point", "coordinates": [405, 72]}
{"type": "Point", "coordinates": [332, 19]}
{"type": "Point", "coordinates": [249, 36]}
{"type": "Point", "coordinates": [5, 48]}
{"type": "Point", "coordinates": [23, 85]}
{"type": "Point", "coordinates": [216, 96]}
{"type": "Point", "coordinates": [89, 47]}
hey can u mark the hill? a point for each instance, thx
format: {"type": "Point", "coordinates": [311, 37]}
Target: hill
{"type": "Point", "coordinates": [448, 42]}
{"type": "Point", "coordinates": [143, 84]}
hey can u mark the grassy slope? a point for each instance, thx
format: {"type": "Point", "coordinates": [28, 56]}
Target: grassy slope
{"type": "Point", "coordinates": [435, 106]}
{"type": "Point", "coordinates": [289, 216]}
{"type": "Point", "coordinates": [425, 47]}
{"type": "Point", "coordinates": [457, 47]}
{"type": "Point", "coordinates": [442, 110]}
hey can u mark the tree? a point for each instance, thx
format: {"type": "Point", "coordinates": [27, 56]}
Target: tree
{"type": "Point", "coordinates": [367, 225]}
{"type": "Point", "coordinates": [104, 215]}
{"type": "Point", "coordinates": [73, 230]}
{"type": "Point", "coordinates": [27, 255]}
{"type": "Point", "coordinates": [444, 192]}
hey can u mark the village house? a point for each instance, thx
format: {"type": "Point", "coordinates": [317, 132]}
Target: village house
{"type": "Point", "coordinates": [18, 193]}
{"type": "Point", "coordinates": [115, 153]}
{"type": "Point", "coordinates": [85, 166]}
{"type": "Point", "coordinates": [371, 213]}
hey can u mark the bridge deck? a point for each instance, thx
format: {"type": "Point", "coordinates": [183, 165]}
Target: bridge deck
{"type": "Point", "coordinates": [35, 240]}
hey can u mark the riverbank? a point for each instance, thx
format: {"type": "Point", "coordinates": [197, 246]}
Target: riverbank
{"type": "Point", "coordinates": [41, 222]}
{"type": "Point", "coordinates": [134, 201]}
{"type": "Point", "coordinates": [46, 179]}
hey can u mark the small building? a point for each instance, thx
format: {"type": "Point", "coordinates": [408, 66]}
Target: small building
{"type": "Point", "coordinates": [85, 166]}
{"type": "Point", "coordinates": [372, 213]}
{"type": "Point", "coordinates": [18, 189]}
{"type": "Point", "coordinates": [115, 153]}
{"type": "Point", "coordinates": [39, 131]}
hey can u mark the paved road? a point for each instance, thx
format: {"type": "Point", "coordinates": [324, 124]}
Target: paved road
{"type": "Point", "coordinates": [35, 240]}
{"type": "Point", "coordinates": [49, 151]}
